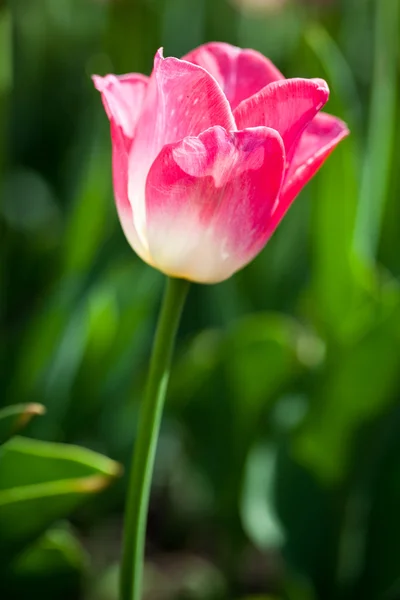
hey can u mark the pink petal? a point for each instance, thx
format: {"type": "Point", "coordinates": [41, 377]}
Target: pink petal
{"type": "Point", "coordinates": [123, 98]}
{"type": "Point", "coordinates": [287, 106]}
{"type": "Point", "coordinates": [209, 200]}
{"type": "Point", "coordinates": [315, 145]}
{"type": "Point", "coordinates": [120, 185]}
{"type": "Point", "coordinates": [240, 73]}
{"type": "Point", "coordinates": [182, 100]}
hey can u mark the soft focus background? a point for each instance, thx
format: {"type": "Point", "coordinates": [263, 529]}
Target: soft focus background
{"type": "Point", "coordinates": [278, 472]}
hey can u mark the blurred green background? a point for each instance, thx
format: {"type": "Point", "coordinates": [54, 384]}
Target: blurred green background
{"type": "Point", "coordinates": [278, 471]}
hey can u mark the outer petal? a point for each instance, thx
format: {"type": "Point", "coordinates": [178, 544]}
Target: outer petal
{"type": "Point", "coordinates": [120, 184]}
{"type": "Point", "coordinates": [123, 98]}
{"type": "Point", "coordinates": [317, 142]}
{"type": "Point", "coordinates": [182, 100]}
{"type": "Point", "coordinates": [287, 106]}
{"type": "Point", "coordinates": [209, 201]}
{"type": "Point", "coordinates": [315, 145]}
{"type": "Point", "coordinates": [240, 73]}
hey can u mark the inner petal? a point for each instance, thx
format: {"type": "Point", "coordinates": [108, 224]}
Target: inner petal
{"type": "Point", "coordinates": [240, 72]}
{"type": "Point", "coordinates": [182, 99]}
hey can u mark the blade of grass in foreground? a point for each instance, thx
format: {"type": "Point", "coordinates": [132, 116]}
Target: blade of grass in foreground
{"type": "Point", "coordinates": [379, 151]}
{"type": "Point", "coordinates": [335, 191]}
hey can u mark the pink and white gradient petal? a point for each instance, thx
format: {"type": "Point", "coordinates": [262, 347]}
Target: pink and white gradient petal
{"type": "Point", "coordinates": [123, 98]}
{"type": "Point", "coordinates": [240, 73]}
{"type": "Point", "coordinates": [182, 100]}
{"type": "Point", "coordinates": [287, 106]}
{"type": "Point", "coordinates": [209, 200]}
{"type": "Point", "coordinates": [120, 185]}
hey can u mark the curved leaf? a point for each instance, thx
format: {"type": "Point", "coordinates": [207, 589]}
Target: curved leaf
{"type": "Point", "coordinates": [16, 417]}
{"type": "Point", "coordinates": [41, 482]}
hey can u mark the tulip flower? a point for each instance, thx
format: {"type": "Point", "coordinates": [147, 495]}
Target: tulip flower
{"type": "Point", "coordinates": [209, 153]}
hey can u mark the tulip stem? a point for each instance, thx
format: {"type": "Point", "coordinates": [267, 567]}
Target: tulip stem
{"type": "Point", "coordinates": [146, 440]}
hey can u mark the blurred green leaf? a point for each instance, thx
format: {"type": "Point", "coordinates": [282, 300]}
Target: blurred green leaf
{"type": "Point", "coordinates": [27, 203]}
{"type": "Point", "coordinates": [62, 370]}
{"type": "Point", "coordinates": [379, 151]}
{"type": "Point", "coordinates": [338, 287]}
{"type": "Point", "coordinates": [197, 363]}
{"type": "Point", "coordinates": [134, 34]}
{"type": "Point", "coordinates": [221, 21]}
{"type": "Point", "coordinates": [275, 33]}
{"type": "Point", "coordinates": [258, 512]}
{"type": "Point", "coordinates": [16, 417]}
{"type": "Point", "coordinates": [54, 567]}
{"type": "Point", "coordinates": [183, 26]}
{"type": "Point", "coordinates": [298, 587]}
{"type": "Point", "coordinates": [345, 97]}
{"type": "Point", "coordinates": [6, 78]}
{"type": "Point", "coordinates": [310, 515]}
{"type": "Point", "coordinates": [379, 576]}
{"type": "Point", "coordinates": [388, 254]}
{"type": "Point", "coordinates": [42, 482]}
{"type": "Point", "coordinates": [5, 50]}
{"type": "Point", "coordinates": [262, 353]}
{"type": "Point", "coordinates": [232, 380]}
{"type": "Point", "coordinates": [93, 203]}
{"type": "Point", "coordinates": [360, 384]}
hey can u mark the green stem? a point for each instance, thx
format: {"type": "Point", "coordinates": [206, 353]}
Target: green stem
{"type": "Point", "coordinates": [146, 441]}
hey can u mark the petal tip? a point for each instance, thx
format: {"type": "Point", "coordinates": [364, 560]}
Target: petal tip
{"type": "Point", "coordinates": [322, 89]}
{"type": "Point", "coordinates": [344, 127]}
{"type": "Point", "coordinates": [98, 82]}
{"type": "Point", "coordinates": [159, 57]}
{"type": "Point", "coordinates": [345, 131]}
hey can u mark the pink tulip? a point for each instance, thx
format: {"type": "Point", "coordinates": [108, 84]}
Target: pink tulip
{"type": "Point", "coordinates": [209, 153]}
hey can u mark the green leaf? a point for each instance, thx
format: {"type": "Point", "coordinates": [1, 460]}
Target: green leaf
{"type": "Point", "coordinates": [380, 576]}
{"type": "Point", "coordinates": [13, 418]}
{"type": "Point", "coordinates": [6, 76]}
{"type": "Point", "coordinates": [42, 482]}
{"type": "Point", "coordinates": [258, 513]}
{"type": "Point", "coordinates": [298, 587]}
{"type": "Point", "coordinates": [360, 384]}
{"type": "Point", "coordinates": [274, 33]}
{"type": "Point", "coordinates": [328, 52]}
{"type": "Point", "coordinates": [264, 352]}
{"type": "Point", "coordinates": [337, 284]}
{"type": "Point", "coordinates": [237, 376]}
{"type": "Point", "coordinates": [310, 516]}
{"type": "Point", "coordinates": [381, 132]}
{"type": "Point", "coordinates": [133, 33]}
{"type": "Point", "coordinates": [92, 203]}
{"type": "Point", "coordinates": [183, 26]}
{"type": "Point", "coordinates": [54, 567]}
{"type": "Point", "coordinates": [5, 50]}
{"type": "Point", "coordinates": [28, 205]}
